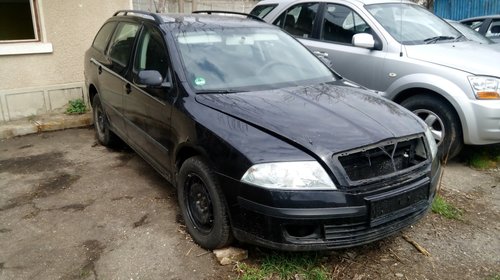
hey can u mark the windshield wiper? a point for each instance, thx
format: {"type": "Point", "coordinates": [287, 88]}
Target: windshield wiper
{"type": "Point", "coordinates": [432, 40]}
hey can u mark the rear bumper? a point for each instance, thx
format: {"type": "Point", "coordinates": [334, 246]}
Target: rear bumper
{"type": "Point", "coordinates": [315, 220]}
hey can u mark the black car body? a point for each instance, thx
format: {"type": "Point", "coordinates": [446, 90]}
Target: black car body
{"type": "Point", "coordinates": [362, 167]}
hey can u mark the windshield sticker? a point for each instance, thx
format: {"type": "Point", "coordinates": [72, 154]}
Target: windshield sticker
{"type": "Point", "coordinates": [199, 81]}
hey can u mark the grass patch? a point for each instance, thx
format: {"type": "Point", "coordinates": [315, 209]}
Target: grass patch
{"type": "Point", "coordinates": [445, 209]}
{"type": "Point", "coordinates": [76, 107]}
{"type": "Point", "coordinates": [482, 157]}
{"type": "Point", "coordinates": [494, 277]}
{"type": "Point", "coordinates": [286, 266]}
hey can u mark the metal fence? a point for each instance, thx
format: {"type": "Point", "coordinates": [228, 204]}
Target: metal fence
{"type": "Point", "coordinates": [460, 9]}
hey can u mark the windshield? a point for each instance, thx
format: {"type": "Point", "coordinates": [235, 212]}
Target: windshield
{"type": "Point", "coordinates": [470, 34]}
{"type": "Point", "coordinates": [247, 59]}
{"type": "Point", "coordinates": [411, 24]}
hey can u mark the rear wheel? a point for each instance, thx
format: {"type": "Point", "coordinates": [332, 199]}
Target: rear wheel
{"type": "Point", "coordinates": [441, 119]}
{"type": "Point", "coordinates": [101, 124]}
{"type": "Point", "coordinates": [203, 205]}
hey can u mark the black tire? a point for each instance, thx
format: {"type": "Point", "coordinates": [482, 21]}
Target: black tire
{"type": "Point", "coordinates": [101, 124]}
{"type": "Point", "coordinates": [440, 117]}
{"type": "Point", "coordinates": [203, 205]}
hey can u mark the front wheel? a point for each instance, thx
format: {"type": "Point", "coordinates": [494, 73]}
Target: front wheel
{"type": "Point", "coordinates": [203, 205]}
{"type": "Point", "coordinates": [441, 119]}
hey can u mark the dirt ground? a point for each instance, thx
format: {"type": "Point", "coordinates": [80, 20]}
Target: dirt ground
{"type": "Point", "coordinates": [71, 209]}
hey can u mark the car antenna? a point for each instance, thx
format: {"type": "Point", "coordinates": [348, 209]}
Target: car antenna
{"type": "Point", "coordinates": [401, 30]}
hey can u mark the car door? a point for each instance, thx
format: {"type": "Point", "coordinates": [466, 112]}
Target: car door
{"type": "Point", "coordinates": [112, 72]}
{"type": "Point", "coordinates": [338, 24]}
{"type": "Point", "coordinates": [148, 108]}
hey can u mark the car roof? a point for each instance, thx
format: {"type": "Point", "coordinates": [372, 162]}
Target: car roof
{"type": "Point", "coordinates": [481, 17]}
{"type": "Point", "coordinates": [195, 21]}
{"type": "Point", "coordinates": [361, 2]}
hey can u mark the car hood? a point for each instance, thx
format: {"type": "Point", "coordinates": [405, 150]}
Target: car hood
{"type": "Point", "coordinates": [467, 56]}
{"type": "Point", "coordinates": [325, 118]}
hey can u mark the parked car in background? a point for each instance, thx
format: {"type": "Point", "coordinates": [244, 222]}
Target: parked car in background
{"type": "Point", "coordinates": [489, 26]}
{"type": "Point", "coordinates": [473, 35]}
{"type": "Point", "coordinates": [263, 142]}
{"type": "Point", "coordinates": [408, 55]}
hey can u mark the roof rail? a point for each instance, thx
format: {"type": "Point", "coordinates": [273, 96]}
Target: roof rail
{"type": "Point", "coordinates": [229, 13]}
{"type": "Point", "coordinates": [154, 16]}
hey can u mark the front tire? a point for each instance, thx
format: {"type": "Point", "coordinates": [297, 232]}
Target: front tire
{"type": "Point", "coordinates": [203, 205]}
{"type": "Point", "coordinates": [442, 120]}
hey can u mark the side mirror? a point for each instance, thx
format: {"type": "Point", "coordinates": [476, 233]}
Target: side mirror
{"type": "Point", "coordinates": [363, 40]}
{"type": "Point", "coordinates": [149, 78]}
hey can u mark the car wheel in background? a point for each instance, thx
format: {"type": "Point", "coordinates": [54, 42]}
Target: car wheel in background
{"type": "Point", "coordinates": [442, 121]}
{"type": "Point", "coordinates": [203, 205]}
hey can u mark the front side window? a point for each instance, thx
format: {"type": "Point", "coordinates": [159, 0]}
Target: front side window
{"type": "Point", "coordinates": [298, 20]}
{"type": "Point", "coordinates": [18, 20]}
{"type": "Point", "coordinates": [152, 54]}
{"type": "Point", "coordinates": [411, 24]}
{"type": "Point", "coordinates": [247, 59]}
{"type": "Point", "coordinates": [341, 23]}
{"type": "Point", "coordinates": [122, 43]}
{"type": "Point", "coordinates": [474, 24]}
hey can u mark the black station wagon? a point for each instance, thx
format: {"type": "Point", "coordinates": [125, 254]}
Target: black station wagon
{"type": "Point", "coordinates": [262, 140]}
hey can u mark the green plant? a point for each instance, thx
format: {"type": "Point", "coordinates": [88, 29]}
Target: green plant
{"type": "Point", "coordinates": [495, 277]}
{"type": "Point", "coordinates": [482, 157]}
{"type": "Point", "coordinates": [285, 266]}
{"type": "Point", "coordinates": [446, 209]}
{"type": "Point", "coordinates": [76, 106]}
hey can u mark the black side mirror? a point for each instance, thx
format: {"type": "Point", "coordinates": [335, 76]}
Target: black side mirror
{"type": "Point", "coordinates": [149, 78]}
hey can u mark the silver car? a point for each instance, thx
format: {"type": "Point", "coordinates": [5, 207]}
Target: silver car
{"type": "Point", "coordinates": [408, 55]}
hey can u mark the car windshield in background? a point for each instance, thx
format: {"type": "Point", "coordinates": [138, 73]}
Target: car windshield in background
{"type": "Point", "coordinates": [471, 34]}
{"type": "Point", "coordinates": [412, 25]}
{"type": "Point", "coordinates": [247, 59]}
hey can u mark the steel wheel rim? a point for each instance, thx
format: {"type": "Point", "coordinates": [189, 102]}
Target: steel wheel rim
{"type": "Point", "coordinates": [99, 116]}
{"type": "Point", "coordinates": [199, 204]}
{"type": "Point", "coordinates": [434, 123]}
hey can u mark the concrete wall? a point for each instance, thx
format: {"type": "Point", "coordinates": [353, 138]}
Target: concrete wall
{"type": "Point", "coordinates": [32, 84]}
{"type": "Point", "coordinates": [187, 6]}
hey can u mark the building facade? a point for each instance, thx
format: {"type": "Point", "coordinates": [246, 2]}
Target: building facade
{"type": "Point", "coordinates": [42, 43]}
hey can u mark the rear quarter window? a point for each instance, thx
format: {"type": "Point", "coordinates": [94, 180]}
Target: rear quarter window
{"type": "Point", "coordinates": [102, 38]}
{"type": "Point", "coordinates": [263, 10]}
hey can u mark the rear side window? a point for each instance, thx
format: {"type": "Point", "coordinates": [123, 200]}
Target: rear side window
{"type": "Point", "coordinates": [494, 29]}
{"type": "Point", "coordinates": [122, 43]}
{"type": "Point", "coordinates": [102, 37]}
{"type": "Point", "coordinates": [298, 20]}
{"type": "Point", "coordinates": [263, 10]}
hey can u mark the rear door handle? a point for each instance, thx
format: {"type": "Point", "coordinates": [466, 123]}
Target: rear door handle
{"type": "Point", "coordinates": [99, 69]}
{"type": "Point", "coordinates": [128, 88]}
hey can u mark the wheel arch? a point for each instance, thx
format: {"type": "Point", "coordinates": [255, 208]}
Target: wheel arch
{"type": "Point", "coordinates": [443, 97]}
{"type": "Point", "coordinates": [92, 92]}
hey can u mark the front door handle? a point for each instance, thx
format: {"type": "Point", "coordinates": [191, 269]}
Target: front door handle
{"type": "Point", "coordinates": [318, 53]}
{"type": "Point", "coordinates": [128, 88]}
{"type": "Point", "coordinates": [99, 69]}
